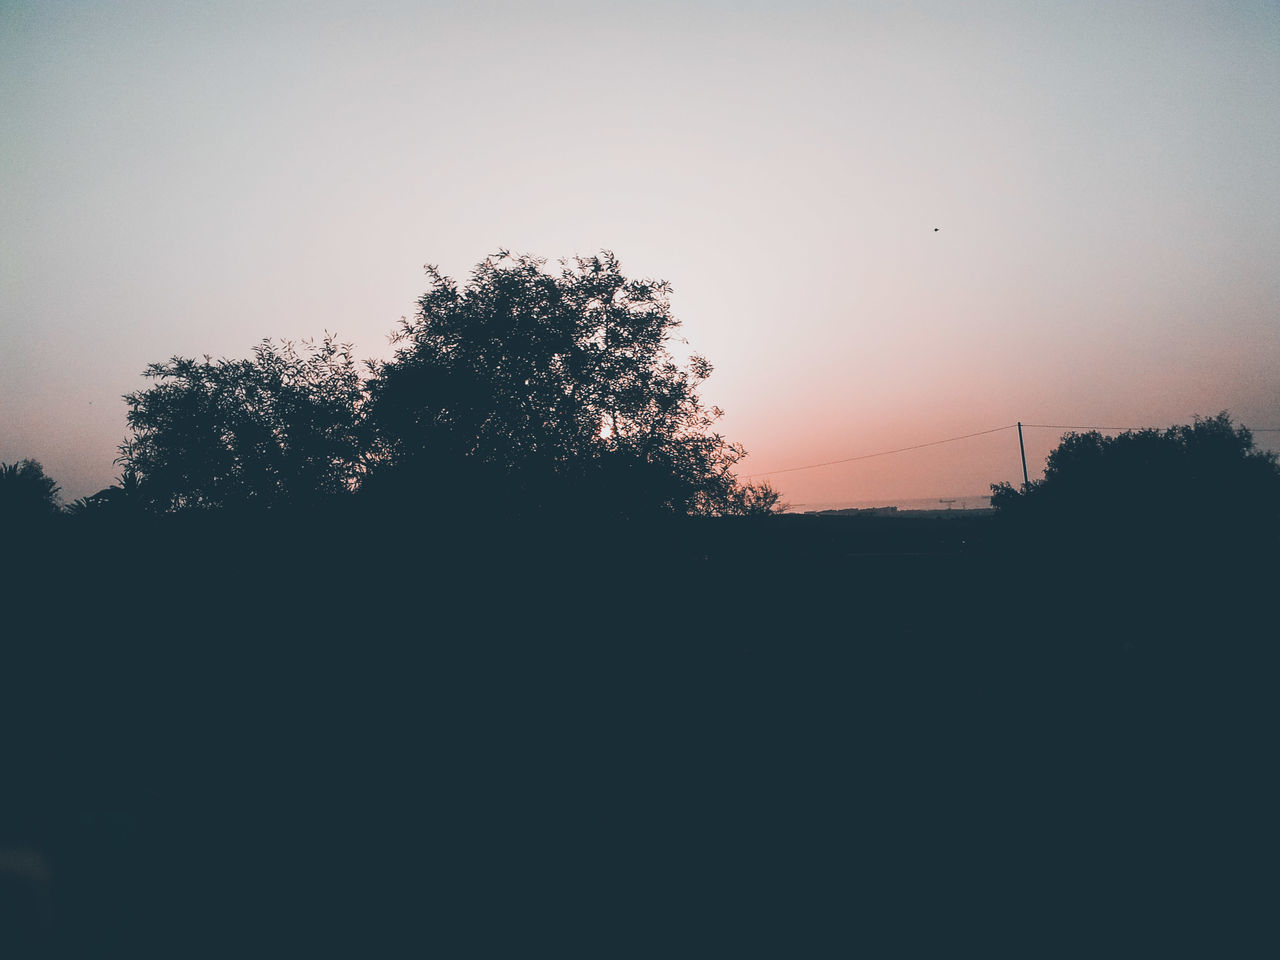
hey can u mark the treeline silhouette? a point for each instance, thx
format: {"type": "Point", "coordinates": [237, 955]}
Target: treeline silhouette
{"type": "Point", "coordinates": [486, 646]}
{"type": "Point", "coordinates": [1200, 493]}
{"type": "Point", "coordinates": [523, 392]}
{"type": "Point", "coordinates": [537, 408]}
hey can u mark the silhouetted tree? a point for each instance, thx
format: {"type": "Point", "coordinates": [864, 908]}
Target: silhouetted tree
{"type": "Point", "coordinates": [1179, 489]}
{"type": "Point", "coordinates": [280, 428]}
{"type": "Point", "coordinates": [756, 500]}
{"type": "Point", "coordinates": [526, 392]}
{"type": "Point", "coordinates": [541, 389]}
{"type": "Point", "coordinates": [121, 500]}
{"type": "Point", "coordinates": [27, 494]}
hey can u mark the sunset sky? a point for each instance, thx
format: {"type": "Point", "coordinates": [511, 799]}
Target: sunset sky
{"type": "Point", "coordinates": [1103, 177]}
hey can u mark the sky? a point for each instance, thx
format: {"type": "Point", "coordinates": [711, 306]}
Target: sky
{"type": "Point", "coordinates": [885, 223]}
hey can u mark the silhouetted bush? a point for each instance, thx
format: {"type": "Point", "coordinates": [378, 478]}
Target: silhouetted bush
{"type": "Point", "coordinates": [27, 495]}
{"type": "Point", "coordinates": [281, 428]}
{"type": "Point", "coordinates": [1187, 489]}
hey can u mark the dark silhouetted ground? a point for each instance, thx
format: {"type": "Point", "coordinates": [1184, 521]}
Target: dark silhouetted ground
{"type": "Point", "coordinates": [789, 737]}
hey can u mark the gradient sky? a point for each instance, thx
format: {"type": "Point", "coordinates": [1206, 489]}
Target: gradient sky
{"type": "Point", "coordinates": [187, 178]}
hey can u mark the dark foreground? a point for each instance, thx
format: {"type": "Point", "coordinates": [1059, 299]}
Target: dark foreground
{"type": "Point", "coordinates": [699, 740]}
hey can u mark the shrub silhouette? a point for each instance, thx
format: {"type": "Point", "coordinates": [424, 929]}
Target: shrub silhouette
{"type": "Point", "coordinates": [1191, 487]}
{"type": "Point", "coordinates": [280, 428]}
{"type": "Point", "coordinates": [27, 494]}
{"type": "Point", "coordinates": [121, 502]}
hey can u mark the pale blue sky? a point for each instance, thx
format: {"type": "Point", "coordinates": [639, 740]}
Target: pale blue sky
{"type": "Point", "coordinates": [188, 178]}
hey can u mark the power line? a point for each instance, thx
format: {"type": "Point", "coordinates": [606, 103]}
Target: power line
{"type": "Point", "coordinates": [1063, 426]}
{"type": "Point", "coordinates": [882, 453]}
{"type": "Point", "coordinates": [967, 436]}
{"type": "Point", "coordinates": [1060, 426]}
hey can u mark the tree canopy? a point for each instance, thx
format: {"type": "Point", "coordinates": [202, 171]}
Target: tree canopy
{"type": "Point", "coordinates": [282, 427]}
{"type": "Point", "coordinates": [27, 493]}
{"type": "Point", "coordinates": [527, 389]}
{"type": "Point", "coordinates": [556, 385]}
{"type": "Point", "coordinates": [1188, 485]}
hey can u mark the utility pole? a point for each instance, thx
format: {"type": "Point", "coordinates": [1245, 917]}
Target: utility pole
{"type": "Point", "coordinates": [1021, 446]}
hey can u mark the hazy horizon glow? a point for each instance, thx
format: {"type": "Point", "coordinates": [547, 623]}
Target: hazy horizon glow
{"type": "Point", "coordinates": [188, 179]}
